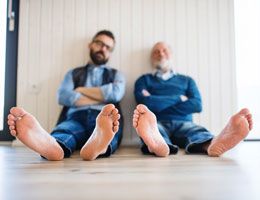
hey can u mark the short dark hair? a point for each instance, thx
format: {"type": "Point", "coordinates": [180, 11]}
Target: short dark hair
{"type": "Point", "coordinates": [105, 32]}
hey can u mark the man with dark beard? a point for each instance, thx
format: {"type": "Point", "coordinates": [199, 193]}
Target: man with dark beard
{"type": "Point", "coordinates": [90, 119]}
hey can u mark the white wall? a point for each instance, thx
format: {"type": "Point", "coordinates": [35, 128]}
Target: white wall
{"type": "Point", "coordinates": [247, 29]}
{"type": "Point", "coordinates": [53, 37]}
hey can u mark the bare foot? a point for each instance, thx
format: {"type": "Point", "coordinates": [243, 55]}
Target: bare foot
{"type": "Point", "coordinates": [144, 121]}
{"type": "Point", "coordinates": [107, 124]}
{"type": "Point", "coordinates": [27, 129]}
{"type": "Point", "coordinates": [235, 131]}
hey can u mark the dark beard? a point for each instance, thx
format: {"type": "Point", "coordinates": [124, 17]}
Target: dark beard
{"type": "Point", "coordinates": [96, 59]}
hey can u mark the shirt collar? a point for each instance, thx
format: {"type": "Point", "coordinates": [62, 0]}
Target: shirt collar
{"type": "Point", "coordinates": [93, 66]}
{"type": "Point", "coordinates": [164, 76]}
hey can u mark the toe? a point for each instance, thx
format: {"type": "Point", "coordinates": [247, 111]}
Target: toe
{"type": "Point", "coordinates": [135, 119]}
{"type": "Point", "coordinates": [114, 111]}
{"type": "Point", "coordinates": [136, 116]}
{"type": "Point", "coordinates": [115, 117]}
{"type": "Point", "coordinates": [115, 129]}
{"type": "Point", "coordinates": [116, 123]}
{"type": "Point", "coordinates": [141, 108]}
{"type": "Point", "coordinates": [107, 109]}
{"type": "Point", "coordinates": [135, 124]}
{"type": "Point", "coordinates": [11, 117]}
{"type": "Point", "coordinates": [10, 122]}
{"type": "Point", "coordinates": [13, 132]}
{"type": "Point", "coordinates": [244, 111]}
{"type": "Point", "coordinates": [17, 112]}
{"type": "Point", "coordinates": [136, 112]}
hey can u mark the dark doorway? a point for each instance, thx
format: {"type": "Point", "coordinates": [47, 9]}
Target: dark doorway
{"type": "Point", "coordinates": [8, 62]}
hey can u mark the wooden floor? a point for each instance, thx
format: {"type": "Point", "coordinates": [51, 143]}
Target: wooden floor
{"type": "Point", "coordinates": [130, 175]}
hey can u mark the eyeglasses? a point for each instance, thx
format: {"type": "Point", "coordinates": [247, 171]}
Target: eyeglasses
{"type": "Point", "coordinates": [101, 44]}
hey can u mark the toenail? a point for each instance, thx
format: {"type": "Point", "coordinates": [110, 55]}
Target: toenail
{"type": "Point", "coordinates": [18, 118]}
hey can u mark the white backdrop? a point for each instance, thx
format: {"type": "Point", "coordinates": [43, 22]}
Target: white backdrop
{"type": "Point", "coordinates": [53, 37]}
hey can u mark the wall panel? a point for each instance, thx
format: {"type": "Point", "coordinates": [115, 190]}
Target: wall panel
{"type": "Point", "coordinates": [54, 35]}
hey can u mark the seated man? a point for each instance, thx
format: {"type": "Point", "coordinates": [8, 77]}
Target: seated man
{"type": "Point", "coordinates": [164, 122]}
{"type": "Point", "coordinates": [86, 123]}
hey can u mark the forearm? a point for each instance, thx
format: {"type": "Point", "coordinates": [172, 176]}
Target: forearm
{"type": "Point", "coordinates": [84, 100]}
{"type": "Point", "coordinates": [193, 103]}
{"type": "Point", "coordinates": [113, 92]}
{"type": "Point", "coordinates": [158, 103]}
{"type": "Point", "coordinates": [67, 98]}
{"type": "Point", "coordinates": [93, 93]}
{"type": "Point", "coordinates": [66, 95]}
{"type": "Point", "coordinates": [187, 107]}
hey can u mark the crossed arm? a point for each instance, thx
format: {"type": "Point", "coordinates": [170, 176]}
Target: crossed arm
{"type": "Point", "coordinates": [193, 103]}
{"type": "Point", "coordinates": [156, 103]}
{"type": "Point", "coordinates": [181, 104]}
{"type": "Point", "coordinates": [89, 96]}
{"type": "Point", "coordinates": [82, 96]}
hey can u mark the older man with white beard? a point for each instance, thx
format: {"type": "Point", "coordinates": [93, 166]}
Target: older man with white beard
{"type": "Point", "coordinates": [164, 122]}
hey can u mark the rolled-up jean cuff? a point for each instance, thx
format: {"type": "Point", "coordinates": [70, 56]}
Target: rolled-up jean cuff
{"type": "Point", "coordinates": [67, 151]}
{"type": "Point", "coordinates": [107, 153]}
{"type": "Point", "coordinates": [199, 142]}
{"type": "Point", "coordinates": [173, 149]}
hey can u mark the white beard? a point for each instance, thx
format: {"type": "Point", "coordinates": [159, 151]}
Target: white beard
{"type": "Point", "coordinates": [164, 65]}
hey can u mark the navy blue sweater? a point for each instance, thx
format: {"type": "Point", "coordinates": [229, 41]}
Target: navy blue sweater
{"type": "Point", "coordinates": [165, 101]}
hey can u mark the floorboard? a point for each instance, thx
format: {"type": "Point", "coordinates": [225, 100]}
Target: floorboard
{"type": "Point", "coordinates": [130, 175]}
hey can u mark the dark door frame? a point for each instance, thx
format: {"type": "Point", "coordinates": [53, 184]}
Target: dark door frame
{"type": "Point", "coordinates": [10, 69]}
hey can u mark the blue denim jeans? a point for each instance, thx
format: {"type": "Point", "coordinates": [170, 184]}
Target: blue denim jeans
{"type": "Point", "coordinates": [180, 134]}
{"type": "Point", "coordinates": [74, 132]}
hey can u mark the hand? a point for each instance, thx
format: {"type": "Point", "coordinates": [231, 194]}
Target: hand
{"type": "Point", "coordinates": [145, 93]}
{"type": "Point", "coordinates": [78, 89]}
{"type": "Point", "coordinates": [183, 98]}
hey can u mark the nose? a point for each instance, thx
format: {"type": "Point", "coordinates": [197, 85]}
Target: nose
{"type": "Point", "coordinates": [103, 48]}
{"type": "Point", "coordinates": [161, 54]}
